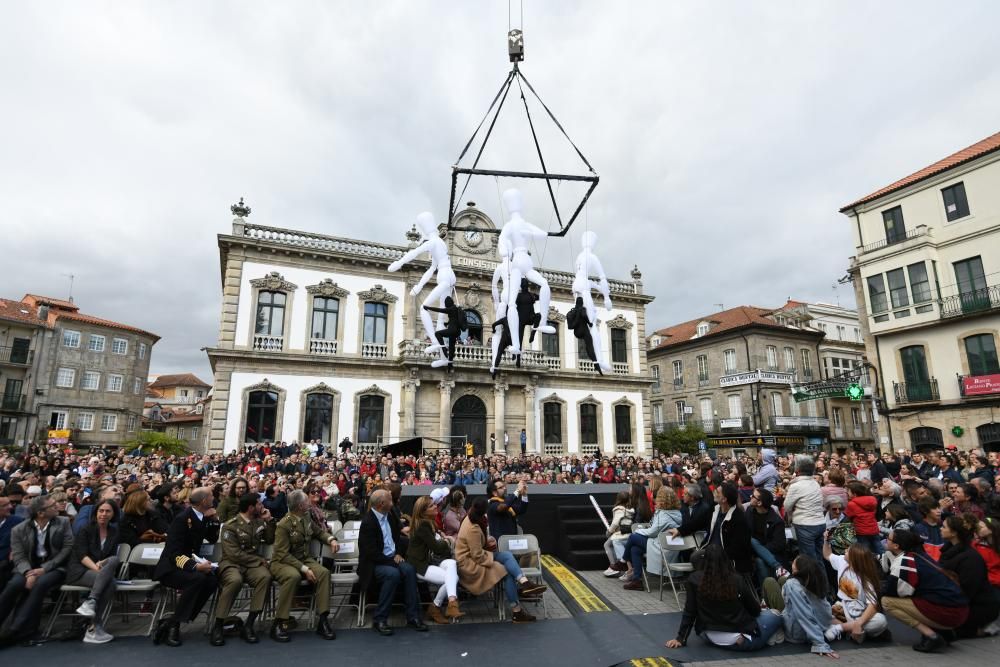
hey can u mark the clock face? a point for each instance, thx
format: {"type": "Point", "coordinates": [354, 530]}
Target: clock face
{"type": "Point", "coordinates": [473, 237]}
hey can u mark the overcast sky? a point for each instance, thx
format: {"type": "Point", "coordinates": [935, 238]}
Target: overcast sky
{"type": "Point", "coordinates": [726, 135]}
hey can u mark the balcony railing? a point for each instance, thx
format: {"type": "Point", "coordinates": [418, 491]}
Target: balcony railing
{"type": "Point", "coordinates": [619, 368]}
{"type": "Point", "coordinates": [919, 230]}
{"type": "Point", "coordinates": [475, 354]}
{"type": "Point", "coordinates": [554, 363]}
{"type": "Point", "coordinates": [703, 381]}
{"type": "Point", "coordinates": [916, 392]}
{"type": "Point", "coordinates": [657, 387]}
{"type": "Point", "coordinates": [265, 343]}
{"type": "Point", "coordinates": [324, 347]}
{"type": "Point", "coordinates": [678, 383]}
{"type": "Point", "coordinates": [16, 355]}
{"type": "Point", "coordinates": [807, 372]}
{"type": "Point", "coordinates": [378, 351]}
{"type": "Point", "coordinates": [799, 424]}
{"type": "Point", "coordinates": [975, 301]}
{"type": "Point", "coordinates": [12, 402]}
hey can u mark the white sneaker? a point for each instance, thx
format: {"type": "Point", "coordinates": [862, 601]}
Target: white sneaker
{"type": "Point", "coordinates": [833, 632]}
{"type": "Point", "coordinates": [992, 629]}
{"type": "Point", "coordinates": [88, 608]}
{"type": "Point", "coordinates": [777, 638]}
{"type": "Point", "coordinates": [625, 577]}
{"type": "Point", "coordinates": [97, 635]}
{"type": "Point", "coordinates": [611, 572]}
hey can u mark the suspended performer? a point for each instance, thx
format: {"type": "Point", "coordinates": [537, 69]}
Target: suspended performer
{"type": "Point", "coordinates": [580, 325]}
{"type": "Point", "coordinates": [500, 342]}
{"type": "Point", "coordinates": [452, 330]}
{"type": "Point", "coordinates": [524, 302]}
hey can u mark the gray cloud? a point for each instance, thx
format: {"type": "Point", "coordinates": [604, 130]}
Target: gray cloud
{"type": "Point", "coordinates": [726, 135]}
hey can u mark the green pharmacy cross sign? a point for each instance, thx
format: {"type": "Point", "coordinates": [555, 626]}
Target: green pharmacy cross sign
{"type": "Point", "coordinates": [854, 391]}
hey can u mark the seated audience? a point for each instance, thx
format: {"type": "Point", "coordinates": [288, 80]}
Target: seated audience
{"type": "Point", "coordinates": [617, 532]}
{"type": "Point", "coordinates": [229, 505]}
{"type": "Point", "coordinates": [958, 556]}
{"type": "Point", "coordinates": [767, 535]}
{"type": "Point", "coordinates": [456, 511]}
{"type": "Point", "coordinates": [426, 548]}
{"type": "Point", "coordinates": [666, 517]}
{"type": "Point", "coordinates": [140, 522]}
{"type": "Point", "coordinates": [858, 585]}
{"type": "Point", "coordinates": [801, 600]}
{"type": "Point", "coordinates": [95, 565]}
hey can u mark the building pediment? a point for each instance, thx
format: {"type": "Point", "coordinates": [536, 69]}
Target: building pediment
{"type": "Point", "coordinates": [327, 288]}
{"type": "Point", "coordinates": [273, 281]}
{"type": "Point", "coordinates": [378, 294]}
{"type": "Point", "coordinates": [619, 322]}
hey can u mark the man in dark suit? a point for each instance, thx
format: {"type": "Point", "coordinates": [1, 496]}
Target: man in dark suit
{"type": "Point", "coordinates": [181, 567]}
{"type": "Point", "coordinates": [379, 557]}
{"type": "Point", "coordinates": [7, 523]}
{"type": "Point", "coordinates": [40, 549]}
{"type": "Point", "coordinates": [696, 514]}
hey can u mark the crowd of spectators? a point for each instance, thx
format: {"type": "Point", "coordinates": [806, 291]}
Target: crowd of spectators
{"type": "Point", "coordinates": [834, 542]}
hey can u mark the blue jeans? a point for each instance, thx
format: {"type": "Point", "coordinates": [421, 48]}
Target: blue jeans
{"type": "Point", "coordinates": [873, 542]}
{"type": "Point", "coordinates": [635, 551]}
{"type": "Point", "coordinates": [513, 575]}
{"type": "Point", "coordinates": [765, 564]}
{"type": "Point", "coordinates": [810, 539]}
{"type": "Point", "coordinates": [767, 624]}
{"type": "Point", "coordinates": [806, 617]}
{"type": "Point", "coordinates": [389, 578]}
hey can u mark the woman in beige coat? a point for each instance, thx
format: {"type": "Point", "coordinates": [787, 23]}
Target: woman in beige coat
{"type": "Point", "coordinates": [481, 567]}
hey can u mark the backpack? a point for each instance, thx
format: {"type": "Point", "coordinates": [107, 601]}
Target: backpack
{"type": "Point", "coordinates": [842, 536]}
{"type": "Point", "coordinates": [463, 321]}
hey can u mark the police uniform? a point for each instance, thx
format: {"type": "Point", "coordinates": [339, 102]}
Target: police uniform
{"type": "Point", "coordinates": [242, 562]}
{"type": "Point", "coordinates": [291, 556]}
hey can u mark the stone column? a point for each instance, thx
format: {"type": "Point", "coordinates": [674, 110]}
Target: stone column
{"type": "Point", "coordinates": [445, 416]}
{"type": "Point", "coordinates": [410, 384]}
{"type": "Point", "coordinates": [529, 418]}
{"type": "Point", "coordinates": [499, 411]}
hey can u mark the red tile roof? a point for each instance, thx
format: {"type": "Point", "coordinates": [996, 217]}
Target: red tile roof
{"type": "Point", "coordinates": [36, 299]}
{"type": "Point", "coordinates": [185, 417]}
{"type": "Point", "coordinates": [90, 319]}
{"type": "Point", "coordinates": [178, 380]}
{"type": "Point", "coordinates": [976, 150]}
{"type": "Point", "coordinates": [19, 312]}
{"type": "Point", "coordinates": [727, 320]}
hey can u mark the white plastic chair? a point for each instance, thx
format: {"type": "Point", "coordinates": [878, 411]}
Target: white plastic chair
{"type": "Point", "coordinates": [145, 555]}
{"type": "Point", "coordinates": [526, 544]}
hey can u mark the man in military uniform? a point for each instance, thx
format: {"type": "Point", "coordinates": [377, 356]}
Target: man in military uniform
{"type": "Point", "coordinates": [181, 566]}
{"type": "Point", "coordinates": [292, 561]}
{"type": "Point", "coordinates": [242, 537]}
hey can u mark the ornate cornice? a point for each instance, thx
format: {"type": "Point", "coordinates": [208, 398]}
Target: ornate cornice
{"type": "Point", "coordinates": [321, 388]}
{"type": "Point", "coordinates": [327, 288]}
{"type": "Point", "coordinates": [619, 322]}
{"type": "Point", "coordinates": [373, 389]}
{"type": "Point", "coordinates": [589, 398]}
{"type": "Point", "coordinates": [264, 385]}
{"type": "Point", "coordinates": [273, 281]}
{"type": "Point", "coordinates": [555, 315]}
{"type": "Point", "coordinates": [377, 294]}
{"type": "Point", "coordinates": [553, 397]}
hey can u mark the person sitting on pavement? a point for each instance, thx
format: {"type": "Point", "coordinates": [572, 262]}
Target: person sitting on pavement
{"type": "Point", "coordinates": [767, 535]}
{"type": "Point", "coordinates": [94, 564]}
{"type": "Point", "coordinates": [181, 566]}
{"type": "Point", "coordinates": [666, 517]}
{"type": "Point", "coordinates": [858, 584]}
{"type": "Point", "coordinates": [801, 600]}
{"type": "Point", "coordinates": [618, 532]}
{"type": "Point", "coordinates": [243, 536]}
{"type": "Point", "coordinates": [919, 593]}
{"type": "Point", "coordinates": [721, 607]}
{"type": "Point", "coordinates": [292, 562]}
{"type": "Point", "coordinates": [959, 556]}
{"type": "Point", "coordinates": [425, 547]}
{"type": "Point", "coordinates": [40, 549]}
{"type": "Point", "coordinates": [929, 528]}
{"type": "Point", "coordinates": [481, 566]}
{"type": "Point", "coordinates": [140, 522]}
{"type": "Point", "coordinates": [380, 558]}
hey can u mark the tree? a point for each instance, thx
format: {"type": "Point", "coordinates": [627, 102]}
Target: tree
{"type": "Point", "coordinates": [153, 442]}
{"type": "Point", "coordinates": [679, 438]}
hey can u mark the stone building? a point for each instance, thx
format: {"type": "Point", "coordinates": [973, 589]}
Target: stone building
{"type": "Point", "coordinates": [175, 405]}
{"type": "Point", "coordinates": [318, 341]}
{"type": "Point", "coordinates": [23, 330]}
{"type": "Point", "coordinates": [83, 374]}
{"type": "Point", "coordinates": [732, 373]}
{"type": "Point", "coordinates": [925, 273]}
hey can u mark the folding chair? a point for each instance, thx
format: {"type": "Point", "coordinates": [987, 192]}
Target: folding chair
{"type": "Point", "coordinates": [521, 545]}
{"type": "Point", "coordinates": [143, 555]}
{"type": "Point", "coordinates": [671, 544]}
{"type": "Point", "coordinates": [344, 574]}
{"type": "Point", "coordinates": [67, 589]}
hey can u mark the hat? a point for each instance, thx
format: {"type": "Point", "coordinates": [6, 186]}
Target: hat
{"type": "Point", "coordinates": [951, 447]}
{"type": "Point", "coordinates": [34, 490]}
{"type": "Point", "coordinates": [439, 494]}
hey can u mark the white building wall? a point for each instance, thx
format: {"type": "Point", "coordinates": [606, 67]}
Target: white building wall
{"type": "Point", "coordinates": [567, 341]}
{"type": "Point", "coordinates": [606, 399]}
{"type": "Point", "coordinates": [293, 385]}
{"type": "Point", "coordinates": [299, 323]}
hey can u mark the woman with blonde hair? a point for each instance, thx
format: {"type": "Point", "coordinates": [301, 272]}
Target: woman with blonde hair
{"type": "Point", "coordinates": [666, 516]}
{"type": "Point", "coordinates": [426, 547]}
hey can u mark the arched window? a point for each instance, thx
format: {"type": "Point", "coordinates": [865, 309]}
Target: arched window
{"type": "Point", "coordinates": [376, 320]}
{"type": "Point", "coordinates": [926, 437]}
{"type": "Point", "coordinates": [474, 334]}
{"type": "Point", "coordinates": [623, 424]}
{"type": "Point", "coordinates": [550, 342]}
{"type": "Point", "coordinates": [371, 414]}
{"type": "Point", "coordinates": [318, 418]}
{"type": "Point", "coordinates": [552, 423]}
{"type": "Point", "coordinates": [326, 311]}
{"type": "Point", "coordinates": [588, 424]}
{"type": "Point", "coordinates": [262, 414]}
{"type": "Point", "coordinates": [270, 313]}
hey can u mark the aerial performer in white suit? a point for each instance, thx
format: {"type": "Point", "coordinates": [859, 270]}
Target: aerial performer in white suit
{"type": "Point", "coordinates": [433, 245]}
{"type": "Point", "coordinates": [515, 235]}
{"type": "Point", "coordinates": [587, 264]}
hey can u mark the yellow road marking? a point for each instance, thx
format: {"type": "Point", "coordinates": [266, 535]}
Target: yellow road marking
{"type": "Point", "coordinates": [574, 586]}
{"type": "Point", "coordinates": [658, 661]}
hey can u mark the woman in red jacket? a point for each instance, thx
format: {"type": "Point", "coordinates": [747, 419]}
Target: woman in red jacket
{"type": "Point", "coordinates": [861, 505]}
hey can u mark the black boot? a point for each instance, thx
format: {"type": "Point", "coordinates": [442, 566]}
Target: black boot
{"type": "Point", "coordinates": [173, 637]}
{"type": "Point", "coordinates": [323, 628]}
{"type": "Point", "coordinates": [217, 638]}
{"type": "Point", "coordinates": [279, 631]}
{"type": "Point", "coordinates": [161, 629]}
{"type": "Point", "coordinates": [247, 632]}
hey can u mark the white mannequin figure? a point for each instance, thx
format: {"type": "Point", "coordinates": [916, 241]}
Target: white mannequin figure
{"type": "Point", "coordinates": [517, 233]}
{"type": "Point", "coordinates": [587, 265]}
{"type": "Point", "coordinates": [441, 263]}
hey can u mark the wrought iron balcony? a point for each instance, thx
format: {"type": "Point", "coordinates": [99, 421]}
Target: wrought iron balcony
{"type": "Point", "coordinates": [920, 230]}
{"type": "Point", "coordinates": [974, 301]}
{"type": "Point", "coordinates": [12, 402]}
{"type": "Point", "coordinates": [916, 392]}
{"type": "Point", "coordinates": [16, 355]}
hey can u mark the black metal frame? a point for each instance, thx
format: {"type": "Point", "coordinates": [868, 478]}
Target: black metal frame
{"type": "Point", "coordinates": [498, 101]}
